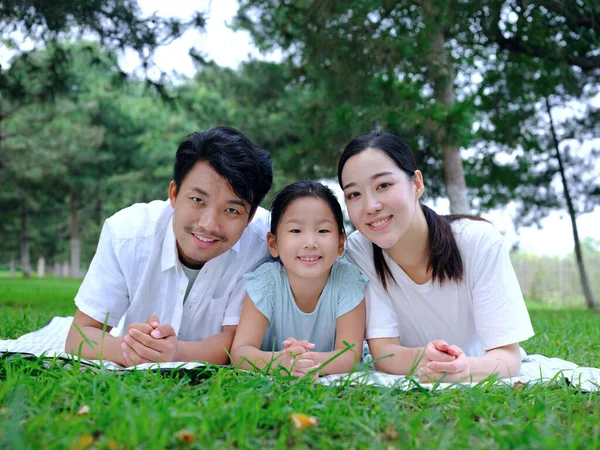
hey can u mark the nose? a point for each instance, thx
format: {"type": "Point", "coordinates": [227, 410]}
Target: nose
{"type": "Point", "coordinates": [209, 220]}
{"type": "Point", "coordinates": [372, 203]}
{"type": "Point", "coordinates": [311, 241]}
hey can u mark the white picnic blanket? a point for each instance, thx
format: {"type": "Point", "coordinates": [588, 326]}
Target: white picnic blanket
{"type": "Point", "coordinates": [49, 341]}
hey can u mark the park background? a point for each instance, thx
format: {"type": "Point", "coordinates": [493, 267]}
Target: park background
{"type": "Point", "coordinates": [95, 96]}
{"type": "Point", "coordinates": [91, 113]}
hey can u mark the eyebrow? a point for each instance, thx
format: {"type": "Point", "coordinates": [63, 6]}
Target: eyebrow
{"type": "Point", "coordinates": [301, 221]}
{"type": "Point", "coordinates": [206, 194]}
{"type": "Point", "coordinates": [374, 177]}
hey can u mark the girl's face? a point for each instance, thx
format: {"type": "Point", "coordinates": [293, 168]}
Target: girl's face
{"type": "Point", "coordinates": [382, 200]}
{"type": "Point", "coordinates": [307, 240]}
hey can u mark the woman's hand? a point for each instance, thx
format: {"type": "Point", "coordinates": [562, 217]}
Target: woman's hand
{"type": "Point", "coordinates": [454, 367]}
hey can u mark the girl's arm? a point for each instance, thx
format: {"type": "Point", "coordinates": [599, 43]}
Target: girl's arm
{"type": "Point", "coordinates": [245, 350]}
{"type": "Point", "coordinates": [350, 328]}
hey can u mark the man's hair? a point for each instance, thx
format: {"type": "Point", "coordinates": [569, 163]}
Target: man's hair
{"type": "Point", "coordinates": [233, 156]}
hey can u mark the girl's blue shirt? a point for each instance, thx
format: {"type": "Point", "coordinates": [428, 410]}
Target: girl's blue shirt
{"type": "Point", "coordinates": [270, 290]}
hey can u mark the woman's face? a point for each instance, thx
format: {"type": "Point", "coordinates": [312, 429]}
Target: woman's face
{"type": "Point", "coordinates": [381, 198]}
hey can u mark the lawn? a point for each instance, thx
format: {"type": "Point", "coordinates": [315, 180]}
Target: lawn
{"type": "Point", "coordinates": [40, 405]}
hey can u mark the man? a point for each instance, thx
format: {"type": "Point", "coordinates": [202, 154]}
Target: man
{"type": "Point", "coordinates": [170, 273]}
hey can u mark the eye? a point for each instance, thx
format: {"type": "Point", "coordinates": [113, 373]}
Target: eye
{"type": "Point", "coordinates": [197, 200]}
{"type": "Point", "coordinates": [232, 211]}
{"type": "Point", "coordinates": [383, 185]}
{"type": "Point", "coordinates": [296, 231]}
{"type": "Point", "coordinates": [352, 195]}
{"type": "Point", "coordinates": [324, 231]}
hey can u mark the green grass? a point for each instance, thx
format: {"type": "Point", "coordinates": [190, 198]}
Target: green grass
{"type": "Point", "coordinates": [226, 408]}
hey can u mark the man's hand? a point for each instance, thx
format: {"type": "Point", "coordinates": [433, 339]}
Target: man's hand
{"type": "Point", "coordinates": [149, 342]}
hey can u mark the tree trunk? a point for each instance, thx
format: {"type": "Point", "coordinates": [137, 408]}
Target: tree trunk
{"type": "Point", "coordinates": [13, 268]}
{"type": "Point", "coordinates": [441, 74]}
{"type": "Point", "coordinates": [25, 262]}
{"type": "Point", "coordinates": [41, 267]}
{"type": "Point", "coordinates": [75, 241]}
{"type": "Point", "coordinates": [585, 285]}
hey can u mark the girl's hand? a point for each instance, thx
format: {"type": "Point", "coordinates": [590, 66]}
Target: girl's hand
{"type": "Point", "coordinates": [308, 346]}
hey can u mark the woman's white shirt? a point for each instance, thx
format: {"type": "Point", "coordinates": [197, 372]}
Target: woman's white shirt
{"type": "Point", "coordinates": [485, 311]}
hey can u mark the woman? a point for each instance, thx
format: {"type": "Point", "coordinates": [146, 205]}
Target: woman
{"type": "Point", "coordinates": [443, 297]}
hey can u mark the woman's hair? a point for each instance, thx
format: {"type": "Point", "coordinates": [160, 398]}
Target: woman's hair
{"type": "Point", "coordinates": [444, 260]}
{"type": "Point", "coordinates": [301, 189]}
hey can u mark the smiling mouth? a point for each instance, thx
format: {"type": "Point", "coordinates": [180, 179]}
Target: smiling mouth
{"type": "Point", "coordinates": [204, 239]}
{"type": "Point", "coordinates": [381, 222]}
{"type": "Point", "coordinates": [309, 259]}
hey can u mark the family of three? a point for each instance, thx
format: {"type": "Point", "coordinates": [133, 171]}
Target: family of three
{"type": "Point", "coordinates": [209, 275]}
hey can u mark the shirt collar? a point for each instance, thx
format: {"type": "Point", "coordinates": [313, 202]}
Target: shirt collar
{"type": "Point", "coordinates": [170, 257]}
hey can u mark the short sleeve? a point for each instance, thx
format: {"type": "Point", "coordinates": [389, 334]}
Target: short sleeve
{"type": "Point", "coordinates": [261, 285]}
{"type": "Point", "coordinates": [350, 284]}
{"type": "Point", "coordinates": [235, 303]}
{"type": "Point", "coordinates": [382, 320]}
{"type": "Point", "coordinates": [500, 314]}
{"type": "Point", "coordinates": [104, 288]}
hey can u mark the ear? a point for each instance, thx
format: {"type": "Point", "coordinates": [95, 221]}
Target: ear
{"type": "Point", "coordinates": [272, 244]}
{"type": "Point", "coordinates": [341, 245]}
{"type": "Point", "coordinates": [251, 217]}
{"type": "Point", "coordinates": [419, 185]}
{"type": "Point", "coordinates": [172, 193]}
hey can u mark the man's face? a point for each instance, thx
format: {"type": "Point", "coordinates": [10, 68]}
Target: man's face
{"type": "Point", "coordinates": [208, 218]}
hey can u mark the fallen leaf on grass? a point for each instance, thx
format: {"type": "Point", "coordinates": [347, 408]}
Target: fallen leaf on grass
{"type": "Point", "coordinates": [82, 442]}
{"type": "Point", "coordinates": [391, 433]}
{"type": "Point", "coordinates": [83, 411]}
{"type": "Point", "coordinates": [185, 436]}
{"type": "Point", "coordinates": [301, 421]}
{"type": "Point", "coordinates": [518, 384]}
{"type": "Point", "coordinates": [112, 445]}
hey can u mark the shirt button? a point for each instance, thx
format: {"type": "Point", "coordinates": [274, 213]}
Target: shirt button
{"type": "Point", "coordinates": [181, 291]}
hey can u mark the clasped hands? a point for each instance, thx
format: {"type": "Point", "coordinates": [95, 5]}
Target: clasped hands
{"type": "Point", "coordinates": [444, 362]}
{"type": "Point", "coordinates": [298, 358]}
{"type": "Point", "coordinates": [149, 342]}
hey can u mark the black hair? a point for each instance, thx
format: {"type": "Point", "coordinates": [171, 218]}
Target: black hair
{"type": "Point", "coordinates": [301, 189]}
{"type": "Point", "coordinates": [444, 259]}
{"type": "Point", "coordinates": [233, 156]}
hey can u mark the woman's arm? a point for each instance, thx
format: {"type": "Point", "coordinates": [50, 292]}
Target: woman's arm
{"type": "Point", "coordinates": [399, 360]}
{"type": "Point", "coordinates": [503, 361]}
{"type": "Point", "coordinates": [349, 328]}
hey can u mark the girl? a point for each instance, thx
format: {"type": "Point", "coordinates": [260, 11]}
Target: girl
{"type": "Point", "coordinates": [307, 296]}
{"type": "Point", "coordinates": [443, 295]}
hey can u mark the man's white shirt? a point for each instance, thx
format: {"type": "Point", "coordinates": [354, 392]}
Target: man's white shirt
{"type": "Point", "coordinates": [136, 274]}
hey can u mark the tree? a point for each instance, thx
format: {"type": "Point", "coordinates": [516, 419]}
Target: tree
{"type": "Point", "coordinates": [380, 64]}
{"type": "Point", "coordinates": [547, 52]}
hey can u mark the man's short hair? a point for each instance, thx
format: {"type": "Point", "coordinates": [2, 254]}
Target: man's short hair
{"type": "Point", "coordinates": [233, 156]}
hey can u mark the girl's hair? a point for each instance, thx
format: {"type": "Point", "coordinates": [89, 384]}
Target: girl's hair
{"type": "Point", "coordinates": [444, 260]}
{"type": "Point", "coordinates": [301, 189]}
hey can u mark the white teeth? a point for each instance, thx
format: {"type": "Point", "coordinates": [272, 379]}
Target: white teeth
{"type": "Point", "coordinates": [203, 239]}
{"type": "Point", "coordinates": [379, 222]}
{"type": "Point", "coordinates": [308, 259]}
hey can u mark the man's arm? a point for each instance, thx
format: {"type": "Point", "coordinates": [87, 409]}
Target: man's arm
{"type": "Point", "coordinates": [104, 346]}
{"type": "Point", "coordinates": [212, 349]}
